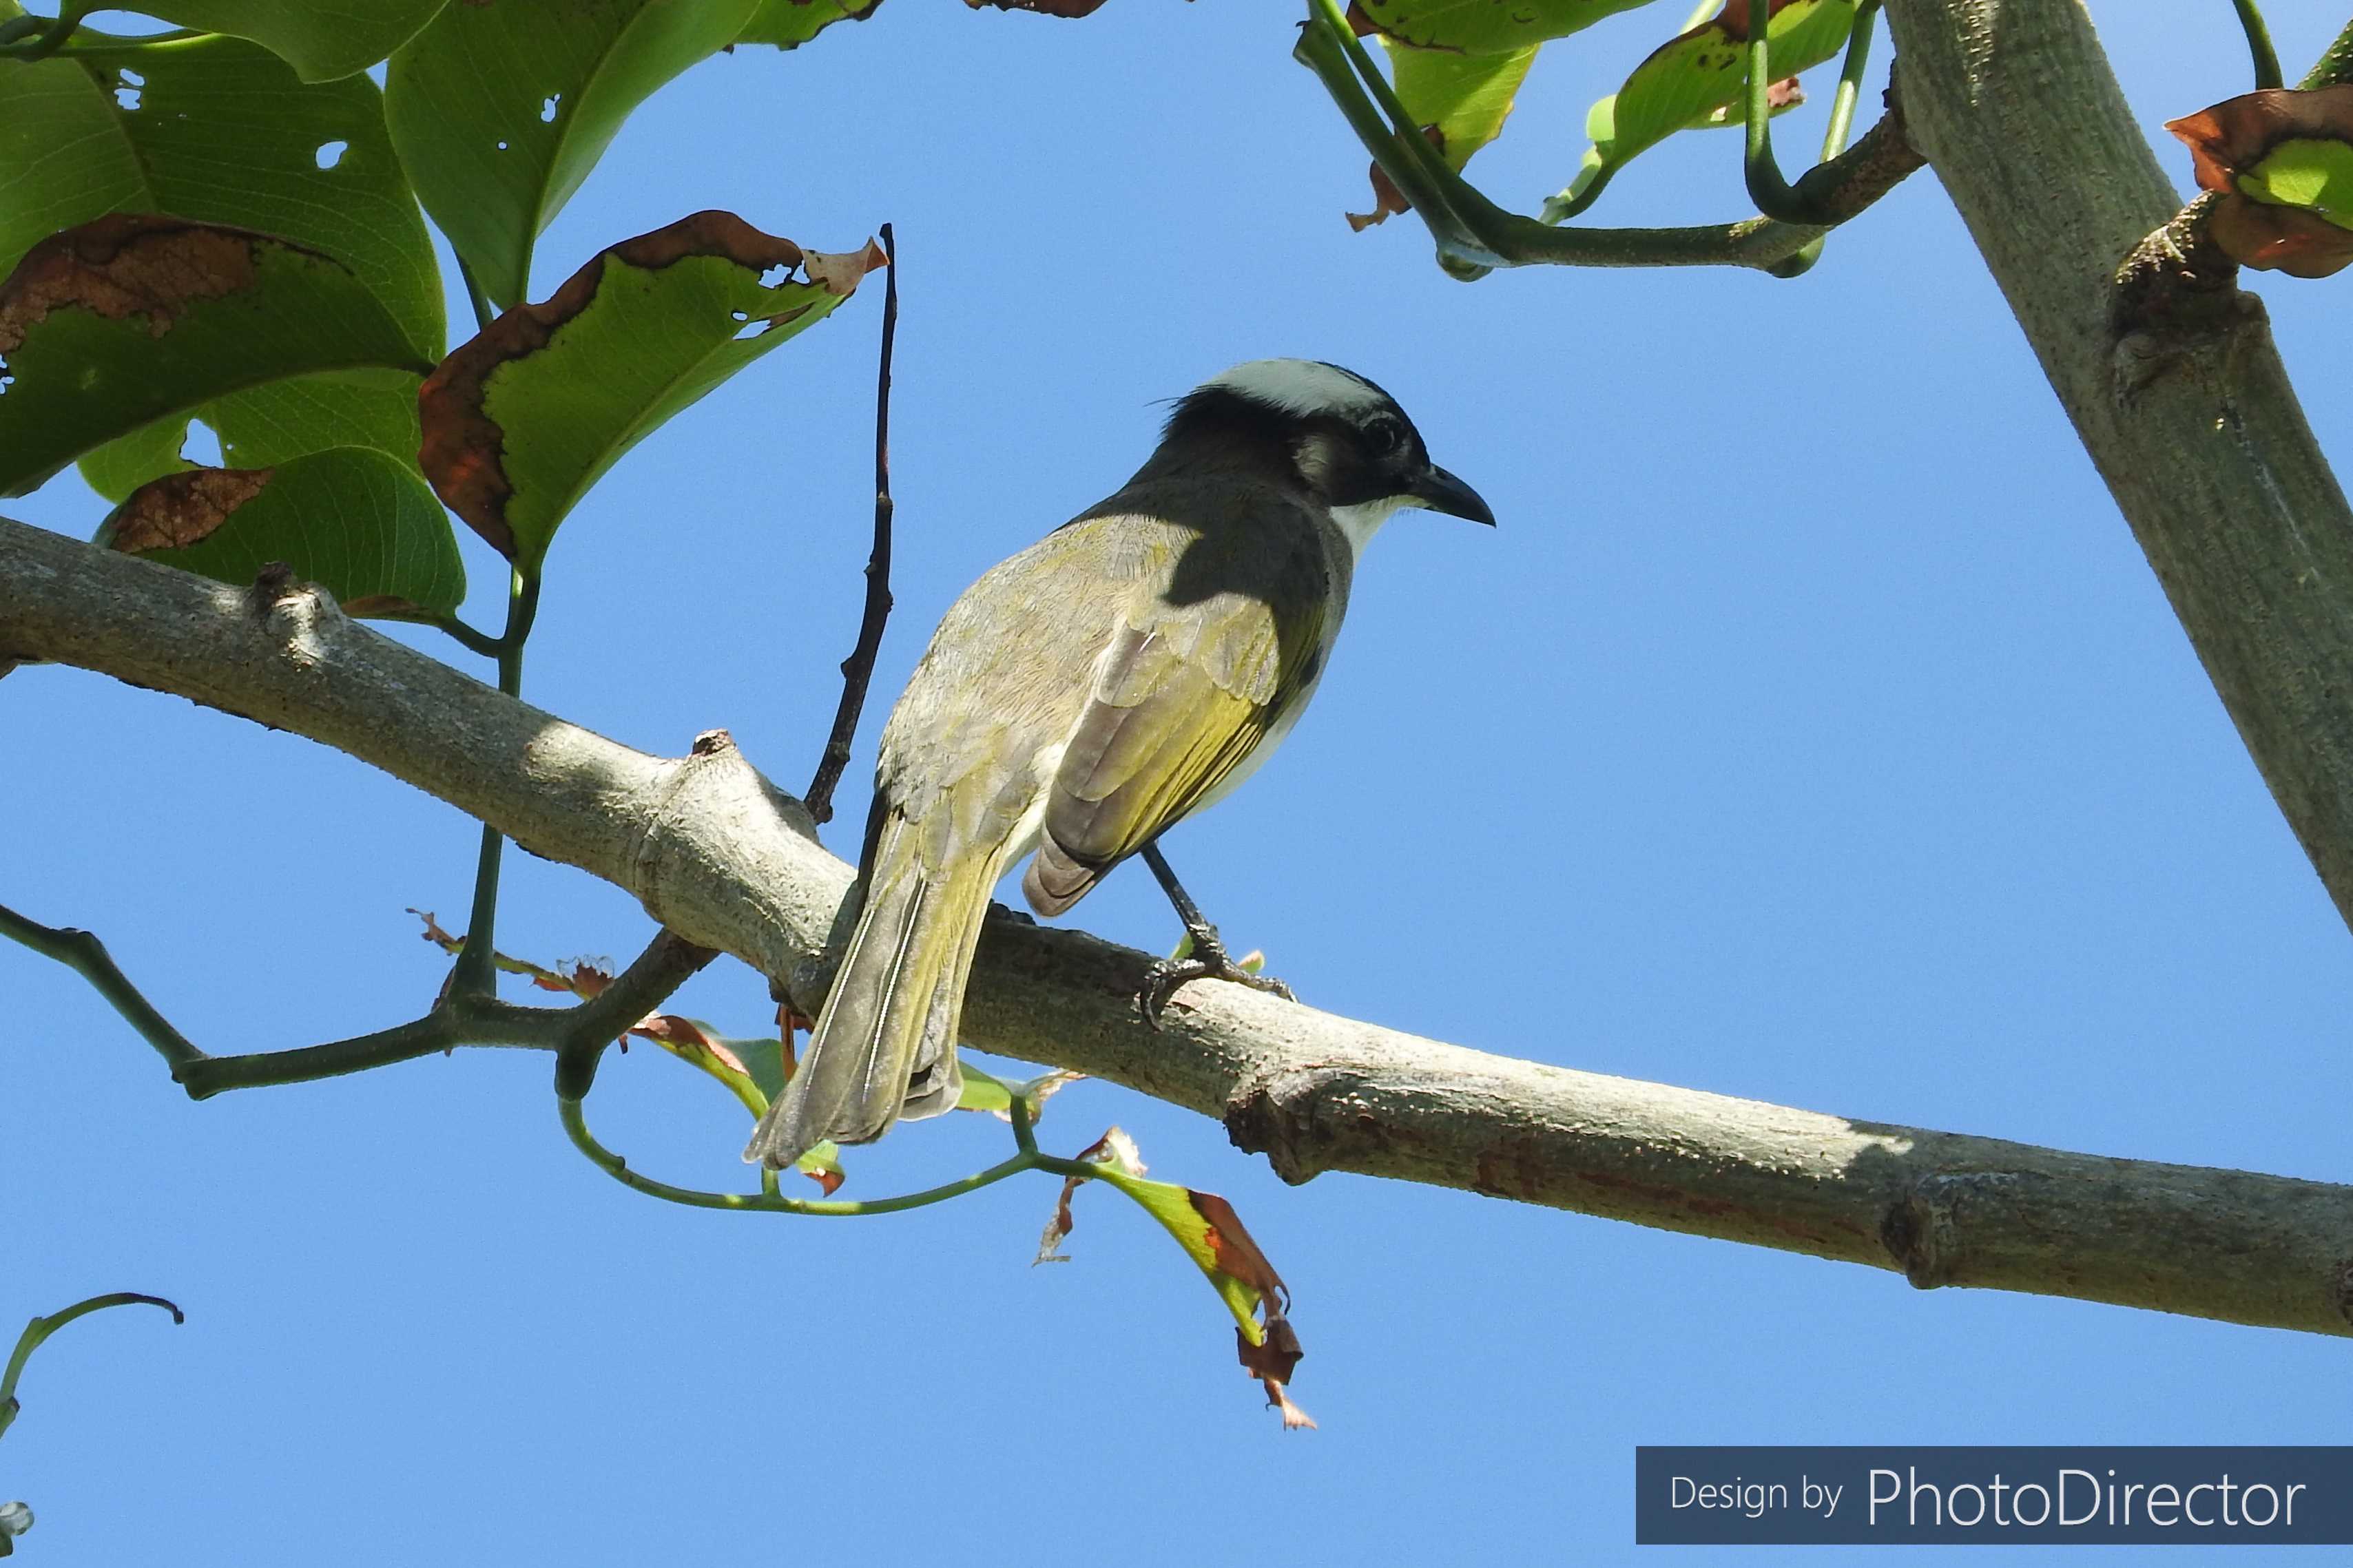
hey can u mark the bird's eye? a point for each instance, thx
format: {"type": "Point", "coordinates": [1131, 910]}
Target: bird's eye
{"type": "Point", "coordinates": [1384, 435]}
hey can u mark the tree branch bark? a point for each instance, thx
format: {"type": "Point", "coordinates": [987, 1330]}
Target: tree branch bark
{"type": "Point", "coordinates": [721, 856]}
{"type": "Point", "coordinates": [2186, 410]}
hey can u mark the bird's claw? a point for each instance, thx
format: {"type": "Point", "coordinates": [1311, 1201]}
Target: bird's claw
{"type": "Point", "coordinates": [1207, 960]}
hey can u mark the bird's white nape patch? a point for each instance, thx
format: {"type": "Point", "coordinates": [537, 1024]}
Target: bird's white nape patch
{"type": "Point", "coordinates": [1364, 519]}
{"type": "Point", "coordinates": [1303, 386]}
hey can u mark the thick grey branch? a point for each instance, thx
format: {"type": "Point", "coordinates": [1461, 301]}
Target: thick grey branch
{"type": "Point", "coordinates": [2187, 411]}
{"type": "Point", "coordinates": [721, 858]}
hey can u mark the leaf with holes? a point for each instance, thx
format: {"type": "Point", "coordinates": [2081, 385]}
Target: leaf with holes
{"type": "Point", "coordinates": [359, 524]}
{"type": "Point", "coordinates": [789, 24]}
{"type": "Point", "coordinates": [1459, 100]}
{"type": "Point", "coordinates": [220, 131]}
{"type": "Point", "coordinates": [287, 418]}
{"type": "Point", "coordinates": [125, 463]}
{"type": "Point", "coordinates": [121, 322]}
{"type": "Point", "coordinates": [1483, 27]}
{"type": "Point", "coordinates": [1685, 83]}
{"type": "Point", "coordinates": [264, 426]}
{"type": "Point", "coordinates": [501, 111]}
{"type": "Point", "coordinates": [521, 421]}
{"type": "Point", "coordinates": [322, 41]}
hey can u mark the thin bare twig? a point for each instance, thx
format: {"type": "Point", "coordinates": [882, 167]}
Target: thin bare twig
{"type": "Point", "coordinates": [858, 669]}
{"type": "Point", "coordinates": [459, 1018]}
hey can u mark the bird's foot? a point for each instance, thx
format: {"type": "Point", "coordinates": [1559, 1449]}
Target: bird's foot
{"type": "Point", "coordinates": [1204, 957]}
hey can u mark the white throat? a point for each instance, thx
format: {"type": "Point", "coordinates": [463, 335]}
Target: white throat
{"type": "Point", "coordinates": [1361, 521]}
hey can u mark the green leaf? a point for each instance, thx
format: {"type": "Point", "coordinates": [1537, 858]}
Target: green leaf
{"type": "Point", "coordinates": [352, 519]}
{"type": "Point", "coordinates": [1467, 97]}
{"type": "Point", "coordinates": [521, 421]}
{"type": "Point", "coordinates": [217, 130]}
{"type": "Point", "coordinates": [117, 323]}
{"type": "Point", "coordinates": [789, 24]}
{"type": "Point", "coordinates": [1684, 82]}
{"type": "Point", "coordinates": [981, 1091]}
{"type": "Point", "coordinates": [752, 1070]}
{"type": "Point", "coordinates": [2313, 173]}
{"type": "Point", "coordinates": [63, 156]}
{"type": "Point", "coordinates": [501, 111]}
{"type": "Point", "coordinates": [268, 425]}
{"type": "Point", "coordinates": [1486, 27]}
{"type": "Point", "coordinates": [764, 1064]}
{"type": "Point", "coordinates": [283, 420]}
{"type": "Point", "coordinates": [125, 463]}
{"type": "Point", "coordinates": [323, 39]}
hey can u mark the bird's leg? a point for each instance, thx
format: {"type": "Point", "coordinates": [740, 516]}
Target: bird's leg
{"type": "Point", "coordinates": [1208, 960]}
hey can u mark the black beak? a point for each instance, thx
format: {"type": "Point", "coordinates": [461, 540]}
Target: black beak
{"type": "Point", "coordinates": [1442, 492]}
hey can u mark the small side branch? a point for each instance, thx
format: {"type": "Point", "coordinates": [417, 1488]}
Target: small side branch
{"type": "Point", "coordinates": [82, 952]}
{"type": "Point", "coordinates": [2176, 279]}
{"type": "Point", "coordinates": [858, 669]}
{"type": "Point", "coordinates": [1823, 194]}
{"type": "Point", "coordinates": [457, 1019]}
{"type": "Point", "coordinates": [1474, 236]}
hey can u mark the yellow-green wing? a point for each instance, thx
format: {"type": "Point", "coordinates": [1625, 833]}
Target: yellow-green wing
{"type": "Point", "coordinates": [1192, 682]}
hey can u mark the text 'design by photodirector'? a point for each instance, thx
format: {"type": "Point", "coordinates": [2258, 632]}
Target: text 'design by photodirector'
{"type": "Point", "coordinates": [1897, 1495]}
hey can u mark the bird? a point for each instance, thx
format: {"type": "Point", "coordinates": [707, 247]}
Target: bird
{"type": "Point", "coordinates": [1126, 671]}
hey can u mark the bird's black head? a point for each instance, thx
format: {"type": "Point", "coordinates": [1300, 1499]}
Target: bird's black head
{"type": "Point", "coordinates": [1342, 439]}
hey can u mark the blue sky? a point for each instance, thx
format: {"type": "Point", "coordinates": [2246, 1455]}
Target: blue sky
{"type": "Point", "coordinates": [1888, 787]}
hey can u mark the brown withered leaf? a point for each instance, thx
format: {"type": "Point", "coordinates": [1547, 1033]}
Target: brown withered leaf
{"type": "Point", "coordinates": [1238, 1256]}
{"type": "Point", "coordinates": [670, 1029]}
{"type": "Point", "coordinates": [683, 1035]}
{"type": "Point", "coordinates": [583, 978]}
{"type": "Point", "coordinates": [1058, 1226]}
{"type": "Point", "coordinates": [840, 272]}
{"type": "Point", "coordinates": [2274, 238]}
{"type": "Point", "coordinates": [462, 450]}
{"type": "Point", "coordinates": [125, 265]}
{"type": "Point", "coordinates": [1277, 1354]}
{"type": "Point", "coordinates": [1387, 200]}
{"type": "Point", "coordinates": [589, 979]}
{"type": "Point", "coordinates": [1043, 1088]}
{"type": "Point", "coordinates": [181, 508]}
{"type": "Point", "coordinates": [434, 934]}
{"type": "Point", "coordinates": [1113, 1148]}
{"type": "Point", "coordinates": [1733, 21]}
{"type": "Point", "coordinates": [2233, 135]}
{"type": "Point", "coordinates": [1294, 1417]}
{"type": "Point", "coordinates": [1072, 8]}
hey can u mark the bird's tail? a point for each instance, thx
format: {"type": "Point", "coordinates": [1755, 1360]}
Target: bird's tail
{"type": "Point", "coordinates": [884, 1046]}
